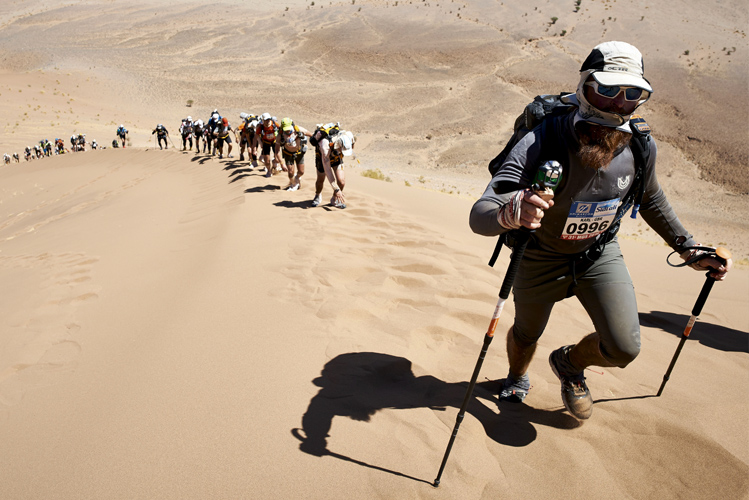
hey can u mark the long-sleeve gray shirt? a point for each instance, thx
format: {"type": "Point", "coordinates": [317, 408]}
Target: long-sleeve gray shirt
{"type": "Point", "coordinates": [584, 201]}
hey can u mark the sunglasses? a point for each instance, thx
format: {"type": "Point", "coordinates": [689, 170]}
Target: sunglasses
{"type": "Point", "coordinates": [611, 91]}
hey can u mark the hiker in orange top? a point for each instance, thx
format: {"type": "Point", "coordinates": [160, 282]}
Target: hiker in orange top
{"type": "Point", "coordinates": [246, 131]}
{"type": "Point", "coordinates": [222, 131]}
{"type": "Point", "coordinates": [265, 134]}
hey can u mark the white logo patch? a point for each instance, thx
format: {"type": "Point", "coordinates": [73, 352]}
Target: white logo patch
{"type": "Point", "coordinates": [623, 182]}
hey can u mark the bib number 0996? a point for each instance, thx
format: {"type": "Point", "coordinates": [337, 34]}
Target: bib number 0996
{"type": "Point", "coordinates": [586, 228]}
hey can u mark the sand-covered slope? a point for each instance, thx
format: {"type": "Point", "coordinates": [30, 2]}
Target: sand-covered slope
{"type": "Point", "coordinates": [177, 327]}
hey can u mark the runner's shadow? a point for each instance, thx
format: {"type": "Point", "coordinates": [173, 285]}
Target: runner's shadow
{"type": "Point", "coordinates": [294, 204]}
{"type": "Point", "coordinates": [262, 189]}
{"type": "Point", "coordinates": [357, 385]}
{"type": "Point", "coordinates": [233, 164]}
{"type": "Point", "coordinates": [237, 171]}
{"type": "Point", "coordinates": [707, 334]}
{"type": "Point", "coordinates": [238, 177]}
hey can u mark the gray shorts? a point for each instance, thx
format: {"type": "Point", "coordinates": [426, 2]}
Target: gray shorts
{"type": "Point", "coordinates": [604, 289]}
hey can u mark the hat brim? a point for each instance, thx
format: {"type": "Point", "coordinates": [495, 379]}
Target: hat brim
{"type": "Point", "coordinates": [623, 79]}
{"type": "Point", "coordinates": [287, 128]}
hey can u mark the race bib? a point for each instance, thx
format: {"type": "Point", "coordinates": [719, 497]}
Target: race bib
{"type": "Point", "coordinates": [588, 219]}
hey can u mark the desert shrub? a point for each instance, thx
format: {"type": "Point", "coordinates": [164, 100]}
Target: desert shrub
{"type": "Point", "coordinates": [376, 174]}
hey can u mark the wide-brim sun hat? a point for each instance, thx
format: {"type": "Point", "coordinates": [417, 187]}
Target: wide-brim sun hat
{"type": "Point", "coordinates": [617, 63]}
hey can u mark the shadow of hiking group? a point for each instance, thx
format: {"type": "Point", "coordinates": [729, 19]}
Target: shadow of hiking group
{"type": "Point", "coordinates": [357, 385]}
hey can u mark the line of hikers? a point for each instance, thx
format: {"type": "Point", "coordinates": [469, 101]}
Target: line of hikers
{"type": "Point", "coordinates": [47, 148]}
{"type": "Point", "coordinates": [279, 145]}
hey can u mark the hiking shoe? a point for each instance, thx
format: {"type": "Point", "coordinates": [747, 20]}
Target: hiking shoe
{"type": "Point", "coordinates": [241, 157]}
{"type": "Point", "coordinates": [575, 394]}
{"type": "Point", "coordinates": [514, 390]}
{"type": "Point", "coordinates": [316, 202]}
{"type": "Point", "coordinates": [293, 187]}
{"type": "Point", "coordinates": [268, 173]}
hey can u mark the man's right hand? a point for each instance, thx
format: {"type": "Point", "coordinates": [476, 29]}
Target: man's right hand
{"type": "Point", "coordinates": [532, 209]}
{"type": "Point", "coordinates": [525, 209]}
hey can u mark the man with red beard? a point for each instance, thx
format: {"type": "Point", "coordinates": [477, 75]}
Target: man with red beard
{"type": "Point", "coordinates": [569, 255]}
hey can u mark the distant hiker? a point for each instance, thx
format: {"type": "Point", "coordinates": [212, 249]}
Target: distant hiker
{"type": "Point", "coordinates": [162, 134]}
{"type": "Point", "coordinates": [16, 158]}
{"type": "Point", "coordinates": [81, 142]}
{"type": "Point", "coordinates": [222, 134]}
{"type": "Point", "coordinates": [60, 146]}
{"type": "Point", "coordinates": [27, 153]}
{"type": "Point", "coordinates": [207, 140]}
{"type": "Point", "coordinates": [246, 139]}
{"type": "Point", "coordinates": [331, 145]}
{"type": "Point", "coordinates": [293, 144]}
{"type": "Point", "coordinates": [214, 120]}
{"type": "Point", "coordinates": [6, 159]}
{"type": "Point", "coordinates": [115, 144]}
{"type": "Point", "coordinates": [265, 137]}
{"type": "Point", "coordinates": [212, 126]}
{"type": "Point", "coordinates": [185, 129]}
{"type": "Point", "coordinates": [572, 250]}
{"type": "Point", "coordinates": [197, 132]}
{"type": "Point", "coordinates": [94, 145]}
{"type": "Point", "coordinates": [122, 135]}
{"type": "Point", "coordinates": [73, 143]}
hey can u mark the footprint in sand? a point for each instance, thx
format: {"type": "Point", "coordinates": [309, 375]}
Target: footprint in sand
{"type": "Point", "coordinates": [392, 277]}
{"type": "Point", "coordinates": [38, 338]}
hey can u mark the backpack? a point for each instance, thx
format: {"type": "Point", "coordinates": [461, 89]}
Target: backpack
{"type": "Point", "coordinates": [250, 124]}
{"type": "Point", "coordinates": [534, 114]}
{"type": "Point", "coordinates": [542, 112]}
{"type": "Point", "coordinates": [324, 132]}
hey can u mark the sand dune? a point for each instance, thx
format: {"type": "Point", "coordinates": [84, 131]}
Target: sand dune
{"type": "Point", "coordinates": [175, 326]}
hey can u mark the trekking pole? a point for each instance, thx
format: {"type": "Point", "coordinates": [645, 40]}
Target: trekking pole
{"type": "Point", "coordinates": [547, 179]}
{"type": "Point", "coordinates": [722, 255]}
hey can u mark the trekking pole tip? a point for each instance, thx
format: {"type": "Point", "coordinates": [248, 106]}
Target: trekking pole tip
{"type": "Point", "coordinates": [436, 483]}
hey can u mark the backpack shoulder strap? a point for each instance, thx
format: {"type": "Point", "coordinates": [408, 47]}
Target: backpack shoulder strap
{"type": "Point", "coordinates": [551, 143]}
{"type": "Point", "coordinates": [497, 248]}
{"type": "Point", "coordinates": [640, 146]}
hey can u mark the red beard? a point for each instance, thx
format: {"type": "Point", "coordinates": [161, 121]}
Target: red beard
{"type": "Point", "coordinates": [598, 144]}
